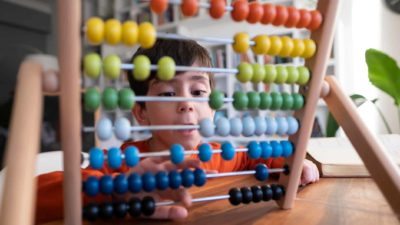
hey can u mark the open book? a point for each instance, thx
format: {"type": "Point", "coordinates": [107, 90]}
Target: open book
{"type": "Point", "coordinates": [336, 157]}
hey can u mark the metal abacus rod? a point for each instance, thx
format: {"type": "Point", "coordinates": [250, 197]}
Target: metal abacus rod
{"type": "Point", "coordinates": [128, 66]}
{"type": "Point", "coordinates": [195, 200]}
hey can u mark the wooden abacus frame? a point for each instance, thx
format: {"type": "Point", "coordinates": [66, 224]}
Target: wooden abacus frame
{"type": "Point", "coordinates": [19, 191]}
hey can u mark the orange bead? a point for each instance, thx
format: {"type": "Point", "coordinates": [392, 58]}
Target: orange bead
{"type": "Point", "coordinates": [282, 15]}
{"type": "Point", "coordinates": [305, 18]}
{"type": "Point", "coordinates": [294, 17]}
{"type": "Point", "coordinates": [256, 12]}
{"type": "Point", "coordinates": [240, 10]}
{"type": "Point", "coordinates": [159, 6]}
{"type": "Point", "coordinates": [189, 7]}
{"type": "Point", "coordinates": [217, 8]}
{"type": "Point", "coordinates": [269, 13]}
{"type": "Point", "coordinates": [316, 20]}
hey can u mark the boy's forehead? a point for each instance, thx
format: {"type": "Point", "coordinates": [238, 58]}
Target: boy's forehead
{"type": "Point", "coordinates": [184, 77]}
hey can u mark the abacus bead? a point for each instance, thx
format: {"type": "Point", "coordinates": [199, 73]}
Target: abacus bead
{"type": "Point", "coordinates": [282, 15]}
{"type": "Point", "coordinates": [293, 125]}
{"type": "Point", "coordinates": [148, 206]}
{"type": "Point", "coordinates": [135, 207]}
{"type": "Point", "coordinates": [287, 46]}
{"type": "Point", "coordinates": [240, 100]}
{"type": "Point", "coordinates": [277, 192]}
{"type": "Point", "coordinates": [282, 74]}
{"type": "Point", "coordinates": [166, 68]}
{"type": "Point", "coordinates": [262, 44]}
{"type": "Point", "coordinates": [254, 100]}
{"type": "Point", "coordinates": [287, 148]}
{"type": "Point", "coordinates": [207, 128]}
{"type": "Point", "coordinates": [129, 33]}
{"type": "Point", "coordinates": [305, 18]}
{"type": "Point", "coordinates": [187, 178]}
{"type": "Point", "coordinates": [158, 6]}
{"type": "Point", "coordinates": [92, 99]}
{"type": "Point", "coordinates": [110, 98]}
{"type": "Point", "coordinates": [104, 129]}
{"type": "Point", "coordinates": [277, 101]}
{"type": "Point", "coordinates": [261, 172]}
{"type": "Point", "coordinates": [114, 157]}
{"type": "Point", "coordinates": [199, 177]}
{"type": "Point", "coordinates": [270, 73]}
{"type": "Point", "coordinates": [122, 128]}
{"type": "Point", "coordinates": [205, 152]}
{"type": "Point", "coordinates": [241, 42]}
{"type": "Point", "coordinates": [266, 149]}
{"type": "Point", "coordinates": [141, 67]}
{"type": "Point", "coordinates": [267, 192]}
{"type": "Point", "coordinates": [240, 10]}
{"type": "Point", "coordinates": [177, 153]}
{"type": "Point", "coordinates": [261, 125]}
{"type": "Point", "coordinates": [257, 193]}
{"type": "Point", "coordinates": [162, 181]}
{"type": "Point", "coordinates": [245, 72]}
{"type": "Point", "coordinates": [294, 17]}
{"type": "Point", "coordinates": [228, 151]}
{"type": "Point", "coordinates": [276, 45]}
{"type": "Point", "coordinates": [91, 212]}
{"type": "Point", "coordinates": [316, 20]}
{"type": "Point", "coordinates": [272, 126]}
{"type": "Point", "coordinates": [298, 48]}
{"type": "Point", "coordinates": [216, 99]}
{"type": "Point", "coordinates": [112, 66]}
{"type": "Point", "coordinates": [95, 30]}
{"type": "Point", "coordinates": [131, 156]}
{"type": "Point", "coordinates": [269, 13]}
{"type": "Point", "coordinates": [147, 35]}
{"type": "Point", "coordinates": [217, 8]}
{"type": "Point", "coordinates": [311, 47]}
{"type": "Point", "coordinates": [248, 126]}
{"type": "Point", "coordinates": [255, 12]}
{"type": "Point", "coordinates": [288, 101]}
{"type": "Point", "coordinates": [293, 74]}
{"type": "Point", "coordinates": [135, 183]}
{"type": "Point", "coordinates": [120, 209]}
{"type": "Point", "coordinates": [126, 98]}
{"type": "Point", "coordinates": [91, 186]}
{"type": "Point", "coordinates": [112, 31]}
{"type": "Point", "coordinates": [258, 73]}
{"type": "Point", "coordinates": [189, 7]}
{"type": "Point", "coordinates": [92, 65]}
{"type": "Point", "coordinates": [247, 195]}
{"type": "Point", "coordinates": [236, 126]}
{"type": "Point", "coordinates": [106, 210]}
{"type": "Point", "coordinates": [96, 158]}
{"type": "Point", "coordinates": [304, 75]}
{"type": "Point", "coordinates": [106, 185]}
{"type": "Point", "coordinates": [282, 126]}
{"type": "Point", "coordinates": [148, 182]}
{"type": "Point", "coordinates": [254, 150]}
{"type": "Point", "coordinates": [235, 196]}
{"type": "Point", "coordinates": [265, 100]}
{"type": "Point", "coordinates": [276, 149]}
{"type": "Point", "coordinates": [175, 179]}
{"type": "Point", "coordinates": [223, 127]}
{"type": "Point", "coordinates": [298, 102]}
{"type": "Point", "coordinates": [120, 184]}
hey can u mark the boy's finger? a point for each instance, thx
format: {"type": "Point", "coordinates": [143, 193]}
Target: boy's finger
{"type": "Point", "coordinates": [188, 163]}
{"type": "Point", "coordinates": [170, 212]}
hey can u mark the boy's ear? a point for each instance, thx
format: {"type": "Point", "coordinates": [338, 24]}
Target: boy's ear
{"type": "Point", "coordinates": [139, 112]}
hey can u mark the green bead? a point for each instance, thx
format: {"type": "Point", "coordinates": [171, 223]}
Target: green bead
{"type": "Point", "coordinates": [126, 98]}
{"type": "Point", "coordinates": [266, 100]}
{"type": "Point", "coordinates": [216, 99]}
{"type": "Point", "coordinates": [112, 66]}
{"type": "Point", "coordinates": [166, 68]}
{"type": "Point", "coordinates": [293, 74]}
{"type": "Point", "coordinates": [270, 73]}
{"type": "Point", "coordinates": [245, 72]}
{"type": "Point", "coordinates": [91, 99]}
{"type": "Point", "coordinates": [141, 70]}
{"type": "Point", "coordinates": [258, 73]}
{"type": "Point", "coordinates": [92, 65]}
{"type": "Point", "coordinates": [277, 101]}
{"type": "Point", "coordinates": [254, 100]}
{"type": "Point", "coordinates": [282, 74]}
{"type": "Point", "coordinates": [304, 75]}
{"type": "Point", "coordinates": [288, 101]}
{"type": "Point", "coordinates": [110, 98]}
{"type": "Point", "coordinates": [240, 100]}
{"type": "Point", "coordinates": [298, 101]}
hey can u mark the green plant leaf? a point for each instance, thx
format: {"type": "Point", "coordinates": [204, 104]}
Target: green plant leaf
{"type": "Point", "coordinates": [384, 73]}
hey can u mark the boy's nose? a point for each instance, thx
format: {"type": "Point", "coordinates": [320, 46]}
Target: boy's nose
{"type": "Point", "coordinates": [185, 107]}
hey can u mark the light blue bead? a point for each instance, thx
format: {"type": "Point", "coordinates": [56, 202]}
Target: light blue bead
{"type": "Point", "coordinates": [205, 152]}
{"type": "Point", "coordinates": [162, 181]}
{"type": "Point", "coordinates": [261, 172]}
{"type": "Point", "coordinates": [175, 179]}
{"type": "Point", "coordinates": [287, 148]}
{"type": "Point", "coordinates": [135, 183]}
{"type": "Point", "coordinates": [96, 158]}
{"type": "Point", "coordinates": [187, 178]}
{"type": "Point", "coordinates": [104, 129]}
{"type": "Point", "coordinates": [272, 126]}
{"type": "Point", "coordinates": [207, 127]}
{"type": "Point", "coordinates": [106, 185]}
{"type": "Point", "coordinates": [177, 153]}
{"type": "Point", "coordinates": [131, 156]}
{"type": "Point", "coordinates": [122, 129]}
{"type": "Point", "coordinates": [248, 126]}
{"type": "Point", "coordinates": [276, 149]}
{"type": "Point", "coordinates": [91, 186]}
{"type": "Point", "coordinates": [148, 182]}
{"type": "Point", "coordinates": [120, 184]}
{"type": "Point", "coordinates": [254, 150]}
{"type": "Point", "coordinates": [293, 125]}
{"type": "Point", "coordinates": [266, 149]}
{"type": "Point", "coordinates": [261, 125]}
{"type": "Point", "coordinates": [282, 126]}
{"type": "Point", "coordinates": [114, 156]}
{"type": "Point", "coordinates": [236, 126]}
{"type": "Point", "coordinates": [199, 177]}
{"type": "Point", "coordinates": [223, 127]}
{"type": "Point", "coordinates": [228, 151]}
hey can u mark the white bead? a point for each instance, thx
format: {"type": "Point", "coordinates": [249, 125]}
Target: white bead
{"type": "Point", "coordinates": [104, 129]}
{"type": "Point", "coordinates": [122, 128]}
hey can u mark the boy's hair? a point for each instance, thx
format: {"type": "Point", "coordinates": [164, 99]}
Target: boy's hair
{"type": "Point", "coordinates": [184, 53]}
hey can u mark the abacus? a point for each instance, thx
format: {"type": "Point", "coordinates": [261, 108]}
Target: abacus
{"type": "Point", "coordinates": [19, 190]}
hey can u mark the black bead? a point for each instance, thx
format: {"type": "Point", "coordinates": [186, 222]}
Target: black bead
{"type": "Point", "coordinates": [106, 210]}
{"type": "Point", "coordinates": [91, 212]}
{"type": "Point", "coordinates": [120, 209]}
{"type": "Point", "coordinates": [277, 192]}
{"type": "Point", "coordinates": [286, 170]}
{"type": "Point", "coordinates": [267, 192]}
{"type": "Point", "coordinates": [257, 193]}
{"type": "Point", "coordinates": [235, 196]}
{"type": "Point", "coordinates": [247, 195]}
{"type": "Point", "coordinates": [135, 207]}
{"type": "Point", "coordinates": [148, 206]}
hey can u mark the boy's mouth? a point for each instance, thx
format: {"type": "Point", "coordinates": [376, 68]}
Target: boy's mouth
{"type": "Point", "coordinates": [187, 131]}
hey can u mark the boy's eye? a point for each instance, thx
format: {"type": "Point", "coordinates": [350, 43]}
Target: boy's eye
{"type": "Point", "coordinates": [167, 94]}
{"type": "Point", "coordinates": [199, 93]}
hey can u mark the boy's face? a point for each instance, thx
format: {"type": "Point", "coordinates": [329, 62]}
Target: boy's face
{"type": "Point", "coordinates": [188, 84]}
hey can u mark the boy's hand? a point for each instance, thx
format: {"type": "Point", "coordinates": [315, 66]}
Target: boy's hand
{"type": "Point", "coordinates": [310, 173]}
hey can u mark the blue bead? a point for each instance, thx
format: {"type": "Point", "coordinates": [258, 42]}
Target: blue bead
{"type": "Point", "coordinates": [261, 125]}
{"type": "Point", "coordinates": [187, 178]}
{"type": "Point", "coordinates": [276, 149]}
{"type": "Point", "coordinates": [254, 150]}
{"type": "Point", "coordinates": [272, 126]}
{"type": "Point", "coordinates": [228, 151]}
{"type": "Point", "coordinates": [162, 181]}
{"type": "Point", "coordinates": [287, 148]}
{"type": "Point", "coordinates": [122, 128]}
{"type": "Point", "coordinates": [114, 158]}
{"type": "Point", "coordinates": [120, 184]}
{"type": "Point", "coordinates": [199, 177]}
{"type": "Point", "coordinates": [223, 127]}
{"type": "Point", "coordinates": [293, 125]}
{"type": "Point", "coordinates": [205, 152]}
{"type": "Point", "coordinates": [236, 126]}
{"type": "Point", "coordinates": [266, 149]}
{"type": "Point", "coordinates": [261, 172]}
{"type": "Point", "coordinates": [92, 186]}
{"type": "Point", "coordinates": [175, 179]}
{"type": "Point", "coordinates": [148, 181]}
{"type": "Point", "coordinates": [131, 156]}
{"type": "Point", "coordinates": [106, 185]}
{"type": "Point", "coordinates": [282, 126]}
{"type": "Point", "coordinates": [104, 129]}
{"type": "Point", "coordinates": [135, 183]}
{"type": "Point", "coordinates": [96, 158]}
{"type": "Point", "coordinates": [207, 127]}
{"type": "Point", "coordinates": [248, 126]}
{"type": "Point", "coordinates": [177, 153]}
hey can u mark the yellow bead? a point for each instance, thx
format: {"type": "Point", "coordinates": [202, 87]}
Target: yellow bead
{"type": "Point", "coordinates": [287, 46]}
{"type": "Point", "coordinates": [311, 47]}
{"type": "Point", "coordinates": [241, 42]}
{"type": "Point", "coordinates": [147, 35]}
{"type": "Point", "coordinates": [130, 33]}
{"type": "Point", "coordinates": [95, 30]}
{"type": "Point", "coordinates": [262, 44]}
{"type": "Point", "coordinates": [298, 49]}
{"type": "Point", "coordinates": [113, 31]}
{"type": "Point", "coordinates": [276, 45]}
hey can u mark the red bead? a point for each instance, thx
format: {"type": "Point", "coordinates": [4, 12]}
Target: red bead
{"type": "Point", "coordinates": [217, 8]}
{"type": "Point", "coordinates": [240, 10]}
{"type": "Point", "coordinates": [269, 13]}
{"type": "Point", "coordinates": [282, 15]}
{"type": "Point", "coordinates": [159, 6]}
{"type": "Point", "coordinates": [294, 17]}
{"type": "Point", "coordinates": [189, 7]}
{"type": "Point", "coordinates": [316, 20]}
{"type": "Point", "coordinates": [305, 18]}
{"type": "Point", "coordinates": [255, 12]}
